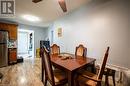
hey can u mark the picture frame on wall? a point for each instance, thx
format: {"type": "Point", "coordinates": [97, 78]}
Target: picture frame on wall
{"type": "Point", "coordinates": [59, 32]}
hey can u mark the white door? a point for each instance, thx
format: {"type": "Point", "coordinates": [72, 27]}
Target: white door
{"type": "Point", "coordinates": [22, 43]}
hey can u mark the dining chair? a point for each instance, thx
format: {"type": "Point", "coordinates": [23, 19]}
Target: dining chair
{"type": "Point", "coordinates": [55, 77]}
{"type": "Point", "coordinates": [80, 51]}
{"type": "Point", "coordinates": [55, 49]}
{"type": "Point", "coordinates": [90, 79]}
{"type": "Point", "coordinates": [107, 72]}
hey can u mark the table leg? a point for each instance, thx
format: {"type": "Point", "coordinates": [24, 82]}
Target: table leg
{"type": "Point", "coordinates": [70, 78]}
{"type": "Point", "coordinates": [106, 80]}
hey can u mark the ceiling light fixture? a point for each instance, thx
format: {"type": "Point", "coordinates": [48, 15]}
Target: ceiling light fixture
{"type": "Point", "coordinates": [31, 18]}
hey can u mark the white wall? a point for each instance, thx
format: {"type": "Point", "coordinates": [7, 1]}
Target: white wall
{"type": "Point", "coordinates": [50, 34]}
{"type": "Point", "coordinates": [98, 25]}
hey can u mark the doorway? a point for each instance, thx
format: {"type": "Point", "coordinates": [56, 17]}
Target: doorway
{"type": "Point", "coordinates": [52, 37]}
{"type": "Point", "coordinates": [26, 43]}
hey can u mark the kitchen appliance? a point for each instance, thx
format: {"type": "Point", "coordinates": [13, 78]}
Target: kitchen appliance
{"type": "Point", "coordinates": [46, 44]}
{"type": "Point", "coordinates": [3, 48]}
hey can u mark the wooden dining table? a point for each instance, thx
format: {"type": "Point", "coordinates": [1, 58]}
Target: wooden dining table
{"type": "Point", "coordinates": [71, 65]}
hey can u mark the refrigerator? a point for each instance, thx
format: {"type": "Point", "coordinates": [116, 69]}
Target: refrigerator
{"type": "Point", "coordinates": [3, 48]}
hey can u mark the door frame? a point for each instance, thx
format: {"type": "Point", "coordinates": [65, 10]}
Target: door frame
{"type": "Point", "coordinates": [29, 31]}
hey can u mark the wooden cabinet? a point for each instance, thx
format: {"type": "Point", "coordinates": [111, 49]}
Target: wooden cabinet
{"type": "Point", "coordinates": [12, 32]}
{"type": "Point", "coordinates": [3, 26]}
{"type": "Point", "coordinates": [12, 55]}
{"type": "Point", "coordinates": [11, 28]}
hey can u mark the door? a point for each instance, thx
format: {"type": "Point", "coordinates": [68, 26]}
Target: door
{"type": "Point", "coordinates": [23, 43]}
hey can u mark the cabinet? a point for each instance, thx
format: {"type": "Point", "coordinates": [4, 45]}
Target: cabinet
{"type": "Point", "coordinates": [12, 55]}
{"type": "Point", "coordinates": [11, 28]}
{"type": "Point", "coordinates": [12, 32]}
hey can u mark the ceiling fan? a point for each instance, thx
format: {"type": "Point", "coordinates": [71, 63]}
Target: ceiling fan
{"type": "Point", "coordinates": [62, 4]}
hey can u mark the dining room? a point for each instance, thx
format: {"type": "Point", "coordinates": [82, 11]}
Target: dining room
{"type": "Point", "coordinates": [96, 26]}
{"type": "Point", "coordinates": [88, 43]}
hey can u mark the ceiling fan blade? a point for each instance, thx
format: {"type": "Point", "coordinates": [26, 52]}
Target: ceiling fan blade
{"type": "Point", "coordinates": [62, 4]}
{"type": "Point", "coordinates": [36, 1]}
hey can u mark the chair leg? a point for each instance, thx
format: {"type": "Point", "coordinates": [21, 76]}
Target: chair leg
{"type": "Point", "coordinates": [113, 77]}
{"type": "Point", "coordinates": [45, 82]}
{"type": "Point", "coordinates": [93, 68]}
{"type": "Point", "coordinates": [106, 81]}
{"type": "Point", "coordinates": [1, 80]}
{"type": "Point", "coordinates": [1, 76]}
{"type": "Point", "coordinates": [43, 77]}
{"type": "Point", "coordinates": [99, 84]}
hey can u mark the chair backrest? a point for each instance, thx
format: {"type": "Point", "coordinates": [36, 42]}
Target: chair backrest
{"type": "Point", "coordinates": [55, 49]}
{"type": "Point", "coordinates": [47, 65]}
{"type": "Point", "coordinates": [101, 71]}
{"type": "Point", "coordinates": [81, 51]}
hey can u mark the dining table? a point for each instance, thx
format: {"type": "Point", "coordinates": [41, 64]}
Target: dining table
{"type": "Point", "coordinates": [70, 64]}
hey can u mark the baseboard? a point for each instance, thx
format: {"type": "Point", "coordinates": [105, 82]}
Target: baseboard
{"type": "Point", "coordinates": [117, 67]}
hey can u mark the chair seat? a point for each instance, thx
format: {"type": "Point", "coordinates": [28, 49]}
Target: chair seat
{"type": "Point", "coordinates": [59, 77]}
{"type": "Point", "coordinates": [84, 81]}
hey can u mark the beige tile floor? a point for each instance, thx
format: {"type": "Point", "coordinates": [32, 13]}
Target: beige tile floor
{"type": "Point", "coordinates": [25, 74]}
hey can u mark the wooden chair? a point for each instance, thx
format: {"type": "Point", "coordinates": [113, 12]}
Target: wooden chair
{"type": "Point", "coordinates": [55, 49]}
{"type": "Point", "coordinates": [55, 77]}
{"type": "Point", "coordinates": [90, 79]}
{"type": "Point", "coordinates": [107, 72]}
{"type": "Point", "coordinates": [80, 51]}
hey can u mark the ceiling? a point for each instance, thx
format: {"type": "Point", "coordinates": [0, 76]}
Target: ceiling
{"type": "Point", "coordinates": [46, 10]}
